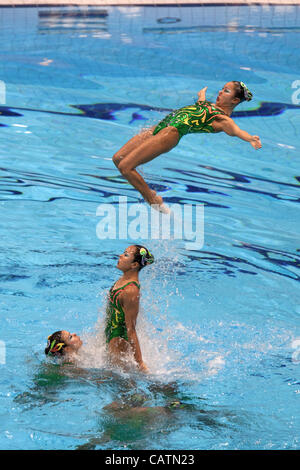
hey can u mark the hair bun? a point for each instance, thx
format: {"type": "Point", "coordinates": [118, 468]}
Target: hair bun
{"type": "Point", "coordinates": [55, 345]}
{"type": "Point", "coordinates": [147, 257]}
{"type": "Point", "coordinates": [247, 93]}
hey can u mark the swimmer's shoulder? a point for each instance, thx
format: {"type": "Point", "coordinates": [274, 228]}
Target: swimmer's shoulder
{"type": "Point", "coordinates": [219, 121]}
{"type": "Point", "coordinates": [130, 291]}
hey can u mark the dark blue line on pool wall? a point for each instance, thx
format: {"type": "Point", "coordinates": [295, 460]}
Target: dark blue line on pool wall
{"type": "Point", "coordinates": [106, 111]}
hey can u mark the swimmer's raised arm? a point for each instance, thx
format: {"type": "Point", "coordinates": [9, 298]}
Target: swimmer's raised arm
{"type": "Point", "coordinates": [130, 304]}
{"type": "Point", "coordinates": [201, 94]}
{"type": "Point", "coordinates": [228, 126]}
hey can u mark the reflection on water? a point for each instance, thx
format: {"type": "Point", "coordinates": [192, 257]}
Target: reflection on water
{"type": "Point", "coordinates": [142, 413]}
{"type": "Point", "coordinates": [197, 186]}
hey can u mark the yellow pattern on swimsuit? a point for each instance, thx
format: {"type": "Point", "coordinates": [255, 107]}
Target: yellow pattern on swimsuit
{"type": "Point", "coordinates": [115, 315]}
{"type": "Point", "coordinates": [189, 119]}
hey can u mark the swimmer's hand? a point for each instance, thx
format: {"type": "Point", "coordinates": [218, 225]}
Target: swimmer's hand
{"type": "Point", "coordinates": [255, 142]}
{"type": "Point", "coordinates": [201, 94]}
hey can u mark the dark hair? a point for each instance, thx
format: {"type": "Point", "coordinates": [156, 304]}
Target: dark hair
{"type": "Point", "coordinates": [55, 345]}
{"type": "Point", "coordinates": [242, 92]}
{"type": "Point", "coordinates": [143, 256]}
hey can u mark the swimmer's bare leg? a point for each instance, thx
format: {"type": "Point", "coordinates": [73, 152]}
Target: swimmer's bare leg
{"type": "Point", "coordinates": [133, 143]}
{"type": "Point", "coordinates": [151, 148]}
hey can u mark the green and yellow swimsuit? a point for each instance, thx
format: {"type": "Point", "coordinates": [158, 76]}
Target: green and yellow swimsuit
{"type": "Point", "coordinates": [115, 316]}
{"type": "Point", "coordinates": [189, 119]}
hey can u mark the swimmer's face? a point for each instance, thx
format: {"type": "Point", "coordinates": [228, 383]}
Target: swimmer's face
{"type": "Point", "coordinates": [226, 96]}
{"type": "Point", "coordinates": [126, 260]}
{"type": "Point", "coordinates": [72, 341]}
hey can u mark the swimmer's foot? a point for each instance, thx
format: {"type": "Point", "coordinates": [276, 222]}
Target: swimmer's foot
{"type": "Point", "coordinates": [157, 203]}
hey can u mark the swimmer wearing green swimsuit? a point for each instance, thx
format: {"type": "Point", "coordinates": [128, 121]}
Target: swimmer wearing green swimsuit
{"type": "Point", "coordinates": [123, 307]}
{"type": "Point", "coordinates": [115, 315]}
{"type": "Point", "coordinates": [204, 116]}
{"type": "Point", "coordinates": [189, 119]}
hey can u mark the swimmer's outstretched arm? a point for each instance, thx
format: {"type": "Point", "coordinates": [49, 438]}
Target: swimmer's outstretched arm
{"type": "Point", "coordinates": [231, 128]}
{"type": "Point", "coordinates": [201, 94]}
{"type": "Point", "coordinates": [130, 304]}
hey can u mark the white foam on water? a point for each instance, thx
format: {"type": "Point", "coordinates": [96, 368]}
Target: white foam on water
{"type": "Point", "coordinates": [215, 365]}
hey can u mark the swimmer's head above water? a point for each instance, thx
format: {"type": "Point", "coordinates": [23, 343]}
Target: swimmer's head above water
{"type": "Point", "coordinates": [233, 93]}
{"type": "Point", "coordinates": [62, 343]}
{"type": "Point", "coordinates": [134, 258]}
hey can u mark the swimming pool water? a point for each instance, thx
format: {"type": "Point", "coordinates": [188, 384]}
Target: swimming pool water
{"type": "Point", "coordinates": [219, 326]}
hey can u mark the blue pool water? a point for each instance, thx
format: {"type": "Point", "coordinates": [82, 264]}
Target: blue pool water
{"type": "Point", "coordinates": [218, 326]}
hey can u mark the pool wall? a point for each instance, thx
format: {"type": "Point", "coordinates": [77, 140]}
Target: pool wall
{"type": "Point", "coordinates": [180, 3]}
{"type": "Point", "coordinates": [233, 17]}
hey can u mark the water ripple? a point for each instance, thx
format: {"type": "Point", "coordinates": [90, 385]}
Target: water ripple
{"type": "Point", "coordinates": [233, 180]}
{"type": "Point", "coordinates": [214, 263]}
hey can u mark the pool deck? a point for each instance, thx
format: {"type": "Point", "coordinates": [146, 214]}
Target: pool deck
{"type": "Point", "coordinates": [41, 3]}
